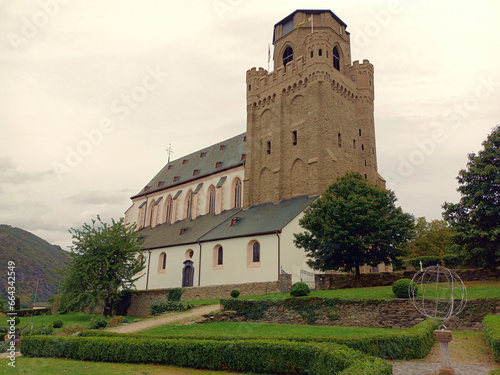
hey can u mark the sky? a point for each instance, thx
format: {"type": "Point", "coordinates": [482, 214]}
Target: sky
{"type": "Point", "coordinates": [93, 92]}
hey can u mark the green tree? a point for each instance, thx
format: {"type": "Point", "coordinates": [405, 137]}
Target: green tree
{"type": "Point", "coordinates": [431, 238]}
{"type": "Point", "coordinates": [354, 223]}
{"type": "Point", "coordinates": [103, 263]}
{"type": "Point", "coordinates": [476, 217]}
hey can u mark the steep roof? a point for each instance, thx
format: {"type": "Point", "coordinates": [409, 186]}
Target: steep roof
{"type": "Point", "coordinates": [262, 219]}
{"type": "Point", "coordinates": [213, 159]}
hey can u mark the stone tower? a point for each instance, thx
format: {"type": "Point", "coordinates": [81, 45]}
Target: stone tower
{"type": "Point", "coordinates": [311, 119]}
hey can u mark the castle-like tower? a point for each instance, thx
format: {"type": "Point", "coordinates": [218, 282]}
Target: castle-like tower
{"type": "Point", "coordinates": [311, 119]}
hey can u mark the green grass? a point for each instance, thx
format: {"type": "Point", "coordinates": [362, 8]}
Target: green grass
{"type": "Point", "coordinates": [51, 366]}
{"type": "Point", "coordinates": [476, 289]}
{"type": "Point", "coordinates": [233, 329]}
{"type": "Point", "coordinates": [68, 319]}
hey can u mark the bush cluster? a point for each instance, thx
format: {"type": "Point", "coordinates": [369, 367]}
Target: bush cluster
{"type": "Point", "coordinates": [415, 342]}
{"type": "Point", "coordinates": [44, 330]}
{"type": "Point", "coordinates": [235, 293]}
{"type": "Point", "coordinates": [58, 323]}
{"type": "Point", "coordinates": [98, 322]}
{"type": "Point", "coordinates": [401, 288]}
{"type": "Point", "coordinates": [161, 307]}
{"type": "Point", "coordinates": [256, 356]}
{"type": "Point", "coordinates": [299, 289]}
{"type": "Point", "coordinates": [491, 325]}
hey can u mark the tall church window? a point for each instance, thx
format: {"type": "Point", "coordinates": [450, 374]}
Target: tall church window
{"type": "Point", "coordinates": [211, 199]}
{"type": "Point", "coordinates": [220, 256]}
{"type": "Point", "coordinates": [336, 58]}
{"type": "Point", "coordinates": [168, 210]}
{"type": "Point", "coordinates": [189, 205]}
{"type": "Point", "coordinates": [237, 193]}
{"type": "Point", "coordinates": [287, 56]}
{"type": "Point", "coordinates": [256, 252]}
{"type": "Point", "coordinates": [253, 254]}
{"type": "Point", "coordinates": [162, 263]}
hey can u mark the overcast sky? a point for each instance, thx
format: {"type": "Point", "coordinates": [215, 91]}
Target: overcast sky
{"type": "Point", "coordinates": [93, 92]}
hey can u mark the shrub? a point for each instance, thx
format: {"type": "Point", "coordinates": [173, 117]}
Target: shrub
{"type": "Point", "coordinates": [98, 322]}
{"type": "Point", "coordinates": [115, 321]}
{"type": "Point", "coordinates": [17, 321]}
{"type": "Point", "coordinates": [401, 288]}
{"type": "Point", "coordinates": [250, 356]}
{"type": "Point", "coordinates": [43, 331]}
{"type": "Point", "coordinates": [57, 323]}
{"type": "Point", "coordinates": [491, 324]}
{"type": "Point", "coordinates": [299, 289]}
{"type": "Point", "coordinates": [174, 294]}
{"type": "Point", "coordinates": [161, 307]}
{"type": "Point", "coordinates": [235, 293]}
{"type": "Point", "coordinates": [71, 330]}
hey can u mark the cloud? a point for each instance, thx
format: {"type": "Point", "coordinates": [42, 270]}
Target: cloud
{"type": "Point", "coordinates": [10, 174]}
{"type": "Point", "coordinates": [99, 197]}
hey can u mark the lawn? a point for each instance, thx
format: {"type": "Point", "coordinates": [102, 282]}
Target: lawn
{"type": "Point", "coordinates": [233, 329]}
{"type": "Point", "coordinates": [68, 319]}
{"type": "Point", "coordinates": [51, 366]}
{"type": "Point", "coordinates": [475, 289]}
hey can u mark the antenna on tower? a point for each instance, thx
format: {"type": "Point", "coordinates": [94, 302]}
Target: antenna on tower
{"type": "Point", "coordinates": [169, 151]}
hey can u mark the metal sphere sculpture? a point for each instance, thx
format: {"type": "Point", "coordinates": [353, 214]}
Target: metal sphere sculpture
{"type": "Point", "coordinates": [438, 293]}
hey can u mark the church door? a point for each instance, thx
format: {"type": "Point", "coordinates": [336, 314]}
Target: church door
{"type": "Point", "coordinates": [188, 274]}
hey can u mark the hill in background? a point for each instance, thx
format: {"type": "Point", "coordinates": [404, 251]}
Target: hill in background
{"type": "Point", "coordinates": [36, 261]}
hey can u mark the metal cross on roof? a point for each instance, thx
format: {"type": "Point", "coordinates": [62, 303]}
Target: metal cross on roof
{"type": "Point", "coordinates": [169, 151]}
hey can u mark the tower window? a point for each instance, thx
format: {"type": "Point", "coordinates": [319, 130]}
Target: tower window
{"type": "Point", "coordinates": [360, 132]}
{"type": "Point", "coordinates": [339, 139]}
{"type": "Point", "coordinates": [362, 147]}
{"type": "Point", "coordinates": [312, 54]}
{"type": "Point", "coordinates": [336, 58]}
{"type": "Point", "coordinates": [249, 87]}
{"type": "Point", "coordinates": [287, 56]}
{"type": "Point", "coordinates": [366, 177]}
{"type": "Point", "coordinates": [365, 163]}
{"type": "Point", "coordinates": [353, 143]}
{"type": "Point", "coordinates": [320, 52]}
{"type": "Point", "coordinates": [268, 147]}
{"type": "Point", "coordinates": [294, 137]}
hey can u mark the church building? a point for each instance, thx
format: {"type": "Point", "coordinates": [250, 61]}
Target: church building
{"type": "Point", "coordinates": [226, 214]}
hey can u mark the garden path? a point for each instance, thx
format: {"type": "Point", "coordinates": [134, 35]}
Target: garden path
{"type": "Point", "coordinates": [168, 318]}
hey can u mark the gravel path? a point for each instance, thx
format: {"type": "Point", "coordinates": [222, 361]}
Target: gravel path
{"type": "Point", "coordinates": [169, 318]}
{"type": "Point", "coordinates": [425, 368]}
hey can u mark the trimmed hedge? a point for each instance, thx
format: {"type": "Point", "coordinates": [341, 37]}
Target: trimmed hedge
{"type": "Point", "coordinates": [161, 307]}
{"type": "Point", "coordinates": [415, 342]}
{"type": "Point", "coordinates": [31, 312]}
{"type": "Point", "coordinates": [258, 356]}
{"type": "Point", "coordinates": [491, 324]}
{"type": "Point", "coordinates": [450, 260]}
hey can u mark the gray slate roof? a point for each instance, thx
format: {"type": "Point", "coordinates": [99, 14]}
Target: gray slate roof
{"type": "Point", "coordinates": [228, 153]}
{"type": "Point", "coordinates": [262, 219]}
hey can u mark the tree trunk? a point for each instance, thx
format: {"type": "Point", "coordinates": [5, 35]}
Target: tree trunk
{"type": "Point", "coordinates": [108, 307]}
{"type": "Point", "coordinates": [358, 277]}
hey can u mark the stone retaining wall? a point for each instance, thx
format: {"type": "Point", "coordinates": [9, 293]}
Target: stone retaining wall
{"type": "Point", "coordinates": [398, 313]}
{"type": "Point", "coordinates": [343, 281]}
{"type": "Point", "coordinates": [141, 300]}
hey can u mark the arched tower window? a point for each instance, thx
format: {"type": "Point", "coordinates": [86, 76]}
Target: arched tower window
{"type": "Point", "coordinates": [211, 199]}
{"type": "Point", "coordinates": [336, 58]}
{"type": "Point", "coordinates": [287, 56]}
{"type": "Point", "coordinates": [237, 193]}
{"type": "Point", "coordinates": [168, 209]}
{"type": "Point", "coordinates": [189, 205]}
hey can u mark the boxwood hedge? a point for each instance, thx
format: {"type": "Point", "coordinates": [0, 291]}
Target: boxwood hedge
{"type": "Point", "coordinates": [491, 324]}
{"type": "Point", "coordinates": [415, 342]}
{"type": "Point", "coordinates": [258, 356]}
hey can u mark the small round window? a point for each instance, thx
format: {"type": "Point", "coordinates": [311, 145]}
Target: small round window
{"type": "Point", "coordinates": [189, 254]}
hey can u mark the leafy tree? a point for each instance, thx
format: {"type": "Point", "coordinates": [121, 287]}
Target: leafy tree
{"type": "Point", "coordinates": [432, 238]}
{"type": "Point", "coordinates": [103, 263]}
{"type": "Point", "coordinates": [354, 223]}
{"type": "Point", "coordinates": [476, 217]}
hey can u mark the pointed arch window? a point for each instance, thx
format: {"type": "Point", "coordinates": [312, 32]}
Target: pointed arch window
{"type": "Point", "coordinates": [287, 56]}
{"type": "Point", "coordinates": [168, 210]}
{"type": "Point", "coordinates": [189, 205]}
{"type": "Point", "coordinates": [256, 252]}
{"type": "Point", "coordinates": [336, 58]}
{"type": "Point", "coordinates": [211, 199]}
{"type": "Point", "coordinates": [237, 193]}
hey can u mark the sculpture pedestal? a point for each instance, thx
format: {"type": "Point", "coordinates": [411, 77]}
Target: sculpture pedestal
{"type": "Point", "coordinates": [443, 338]}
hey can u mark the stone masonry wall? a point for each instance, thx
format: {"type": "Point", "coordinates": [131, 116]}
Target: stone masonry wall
{"type": "Point", "coordinates": [335, 281]}
{"type": "Point", "coordinates": [141, 300]}
{"type": "Point", "coordinates": [398, 313]}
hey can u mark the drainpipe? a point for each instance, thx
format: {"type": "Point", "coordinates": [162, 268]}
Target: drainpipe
{"type": "Point", "coordinates": [147, 272]}
{"type": "Point", "coordinates": [199, 266]}
{"type": "Point", "coordinates": [279, 253]}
